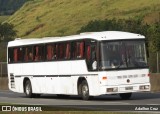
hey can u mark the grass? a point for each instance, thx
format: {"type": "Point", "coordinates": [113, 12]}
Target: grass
{"type": "Point", "coordinates": [65, 17]}
{"type": "Point", "coordinates": [3, 18]}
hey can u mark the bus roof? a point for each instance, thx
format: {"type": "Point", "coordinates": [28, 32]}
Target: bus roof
{"type": "Point", "coordinates": [105, 35]}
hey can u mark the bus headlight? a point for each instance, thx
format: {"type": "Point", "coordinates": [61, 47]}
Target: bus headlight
{"type": "Point", "coordinates": [114, 89]}
{"type": "Point", "coordinates": [143, 87]}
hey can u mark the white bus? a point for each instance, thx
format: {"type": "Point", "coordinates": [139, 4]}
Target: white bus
{"type": "Point", "coordinates": [88, 64]}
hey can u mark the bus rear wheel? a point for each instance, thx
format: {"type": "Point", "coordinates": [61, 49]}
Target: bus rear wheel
{"type": "Point", "coordinates": [125, 96]}
{"type": "Point", "coordinates": [28, 90]}
{"type": "Point", "coordinates": [85, 90]}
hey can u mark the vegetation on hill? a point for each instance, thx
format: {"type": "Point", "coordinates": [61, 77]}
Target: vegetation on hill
{"type": "Point", "coordinates": [41, 18]}
{"type": "Point", "coordinates": [8, 7]}
{"type": "Point", "coordinates": [6, 32]}
{"type": "Point", "coordinates": [3, 18]}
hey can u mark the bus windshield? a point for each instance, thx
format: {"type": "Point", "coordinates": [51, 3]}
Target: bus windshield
{"type": "Point", "coordinates": [122, 54]}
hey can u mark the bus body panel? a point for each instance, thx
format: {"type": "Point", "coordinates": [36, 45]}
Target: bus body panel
{"type": "Point", "coordinates": [134, 76]}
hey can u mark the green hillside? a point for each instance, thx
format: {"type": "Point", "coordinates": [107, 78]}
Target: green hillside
{"type": "Point", "coordinates": [39, 18]}
{"type": "Point", "coordinates": [3, 18]}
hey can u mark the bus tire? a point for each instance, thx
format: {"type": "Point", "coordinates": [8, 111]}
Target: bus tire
{"type": "Point", "coordinates": [85, 90]}
{"type": "Point", "coordinates": [125, 96]}
{"type": "Point", "coordinates": [28, 89]}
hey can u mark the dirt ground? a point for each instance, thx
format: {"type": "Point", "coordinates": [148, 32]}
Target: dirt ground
{"type": "Point", "coordinates": [155, 82]}
{"type": "Point", "coordinates": [3, 83]}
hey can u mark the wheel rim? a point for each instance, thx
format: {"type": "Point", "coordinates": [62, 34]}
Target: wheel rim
{"type": "Point", "coordinates": [28, 89]}
{"type": "Point", "coordinates": [85, 90]}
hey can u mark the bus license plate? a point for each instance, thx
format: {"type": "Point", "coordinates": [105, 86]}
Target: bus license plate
{"type": "Point", "coordinates": [129, 88]}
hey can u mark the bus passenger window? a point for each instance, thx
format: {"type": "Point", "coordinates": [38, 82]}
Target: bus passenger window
{"type": "Point", "coordinates": [67, 51]}
{"type": "Point", "coordinates": [15, 55]}
{"type": "Point", "coordinates": [77, 50]}
{"type": "Point", "coordinates": [38, 53]}
{"type": "Point", "coordinates": [36, 57]}
{"type": "Point", "coordinates": [18, 54]}
{"type": "Point", "coordinates": [51, 52]}
{"type": "Point", "coordinates": [28, 54]}
{"type": "Point", "coordinates": [61, 51]}
{"type": "Point", "coordinates": [54, 51]}
{"type": "Point", "coordinates": [10, 55]}
{"type": "Point", "coordinates": [73, 50]}
{"type": "Point", "coordinates": [88, 53]}
{"type": "Point", "coordinates": [81, 54]}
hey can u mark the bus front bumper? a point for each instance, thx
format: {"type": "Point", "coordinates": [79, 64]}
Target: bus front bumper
{"type": "Point", "coordinates": [125, 88]}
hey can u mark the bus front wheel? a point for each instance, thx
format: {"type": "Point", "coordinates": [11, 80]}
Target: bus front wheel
{"type": "Point", "coordinates": [125, 96]}
{"type": "Point", "coordinates": [85, 90]}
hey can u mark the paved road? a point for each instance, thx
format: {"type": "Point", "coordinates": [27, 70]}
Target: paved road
{"type": "Point", "coordinates": [137, 99]}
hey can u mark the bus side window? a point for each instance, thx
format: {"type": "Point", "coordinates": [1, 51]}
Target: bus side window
{"type": "Point", "coordinates": [18, 52]}
{"type": "Point", "coordinates": [88, 52]}
{"type": "Point", "coordinates": [10, 55]}
{"type": "Point", "coordinates": [77, 50]}
{"type": "Point", "coordinates": [61, 51]}
{"type": "Point", "coordinates": [80, 50]}
{"type": "Point", "coordinates": [15, 54]}
{"type": "Point", "coordinates": [38, 53]}
{"type": "Point", "coordinates": [49, 52]}
{"type": "Point", "coordinates": [28, 54]}
{"type": "Point", "coordinates": [73, 50]}
{"type": "Point", "coordinates": [67, 48]}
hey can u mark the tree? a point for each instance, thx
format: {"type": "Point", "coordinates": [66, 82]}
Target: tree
{"type": "Point", "coordinates": [7, 32]}
{"type": "Point", "coordinates": [154, 40]}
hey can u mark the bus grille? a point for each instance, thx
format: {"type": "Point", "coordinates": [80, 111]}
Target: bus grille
{"type": "Point", "coordinates": [12, 82]}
